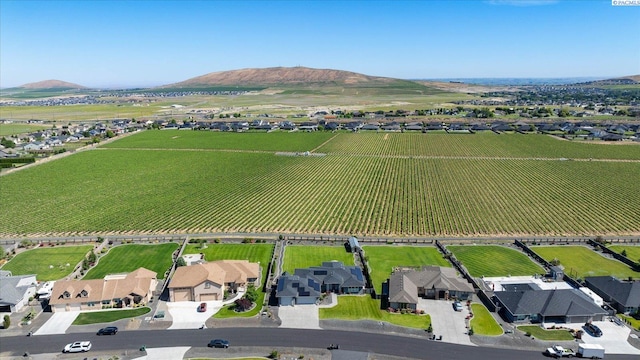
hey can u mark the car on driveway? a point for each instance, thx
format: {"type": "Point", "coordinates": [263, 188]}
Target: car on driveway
{"type": "Point", "coordinates": [457, 306]}
{"type": "Point", "coordinates": [218, 343]}
{"type": "Point", "coordinates": [109, 330]}
{"type": "Point", "coordinates": [593, 330]}
{"type": "Point", "coordinates": [202, 307]}
{"type": "Point", "coordinates": [78, 346]}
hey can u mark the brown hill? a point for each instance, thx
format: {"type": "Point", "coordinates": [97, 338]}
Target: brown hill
{"type": "Point", "coordinates": [52, 84]}
{"type": "Point", "coordinates": [623, 80]}
{"type": "Point", "coordinates": [280, 76]}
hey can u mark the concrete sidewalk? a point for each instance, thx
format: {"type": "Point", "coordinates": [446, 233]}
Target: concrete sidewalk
{"type": "Point", "coordinates": [168, 353]}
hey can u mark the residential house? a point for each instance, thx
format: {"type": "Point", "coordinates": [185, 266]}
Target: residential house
{"type": "Point", "coordinates": [117, 290]}
{"type": "Point", "coordinates": [624, 296]}
{"type": "Point", "coordinates": [15, 291]}
{"type": "Point", "coordinates": [306, 286]}
{"type": "Point", "coordinates": [407, 285]}
{"type": "Point", "coordinates": [209, 281]}
{"type": "Point", "coordinates": [558, 305]}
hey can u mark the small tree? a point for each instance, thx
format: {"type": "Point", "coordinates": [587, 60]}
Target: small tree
{"type": "Point", "coordinates": [181, 262]}
{"type": "Point", "coordinates": [251, 294]}
{"type": "Point", "coordinates": [7, 322]}
{"type": "Point", "coordinates": [624, 253]}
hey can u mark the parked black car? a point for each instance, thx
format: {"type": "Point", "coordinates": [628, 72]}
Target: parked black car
{"type": "Point", "coordinates": [109, 330]}
{"type": "Point", "coordinates": [593, 330]}
{"type": "Point", "coordinates": [218, 343]}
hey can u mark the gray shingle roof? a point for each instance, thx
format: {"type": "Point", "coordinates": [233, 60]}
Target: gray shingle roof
{"type": "Point", "coordinates": [562, 302]}
{"type": "Point", "coordinates": [624, 293]}
{"type": "Point", "coordinates": [10, 292]}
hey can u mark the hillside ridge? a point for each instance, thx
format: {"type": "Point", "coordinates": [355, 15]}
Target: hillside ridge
{"type": "Point", "coordinates": [51, 84]}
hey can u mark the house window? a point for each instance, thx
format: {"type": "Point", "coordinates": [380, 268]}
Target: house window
{"type": "Point", "coordinates": [66, 295]}
{"type": "Point", "coordinates": [106, 302]}
{"type": "Point", "coordinates": [84, 293]}
{"type": "Point", "coordinates": [91, 304]}
{"type": "Point", "coordinates": [207, 285]}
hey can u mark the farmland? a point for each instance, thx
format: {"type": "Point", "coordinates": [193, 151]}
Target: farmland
{"type": "Point", "coordinates": [48, 263]}
{"type": "Point", "coordinates": [299, 257]}
{"type": "Point", "coordinates": [127, 258]}
{"type": "Point", "coordinates": [504, 261]}
{"type": "Point", "coordinates": [382, 260]}
{"type": "Point", "coordinates": [580, 262]}
{"type": "Point", "coordinates": [373, 184]}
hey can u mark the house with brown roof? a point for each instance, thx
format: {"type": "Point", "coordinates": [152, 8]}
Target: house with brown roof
{"type": "Point", "coordinates": [209, 281]}
{"type": "Point", "coordinates": [406, 286]}
{"type": "Point", "coordinates": [117, 290]}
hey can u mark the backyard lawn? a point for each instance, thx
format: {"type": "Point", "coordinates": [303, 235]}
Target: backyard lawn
{"type": "Point", "coordinates": [539, 333]}
{"type": "Point", "coordinates": [633, 252]}
{"type": "Point", "coordinates": [127, 258]}
{"type": "Point", "coordinates": [383, 259]}
{"type": "Point", "coordinates": [48, 263]}
{"type": "Point", "coordinates": [494, 260]}
{"type": "Point", "coordinates": [258, 253]}
{"type": "Point", "coordinates": [366, 308]}
{"type": "Point", "coordinates": [300, 257]}
{"type": "Point", "coordinates": [483, 322]}
{"type": "Point", "coordinates": [581, 261]}
{"type": "Point", "coordinates": [98, 317]}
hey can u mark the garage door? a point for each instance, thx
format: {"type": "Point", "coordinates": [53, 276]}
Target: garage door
{"type": "Point", "coordinates": [207, 297]}
{"type": "Point", "coordinates": [181, 295]}
{"type": "Point", "coordinates": [74, 307]}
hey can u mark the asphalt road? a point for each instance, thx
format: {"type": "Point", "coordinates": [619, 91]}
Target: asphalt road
{"type": "Point", "coordinates": [400, 346]}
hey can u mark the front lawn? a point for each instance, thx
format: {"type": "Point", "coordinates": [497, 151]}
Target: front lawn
{"type": "Point", "coordinates": [366, 308]}
{"type": "Point", "coordinates": [98, 317]}
{"type": "Point", "coordinates": [127, 258]}
{"type": "Point", "coordinates": [483, 322]}
{"type": "Point", "coordinates": [228, 312]}
{"type": "Point", "coordinates": [544, 334]}
{"type": "Point", "coordinates": [51, 263]}
{"type": "Point", "coordinates": [383, 259]}
{"type": "Point", "coordinates": [494, 260]}
{"type": "Point", "coordinates": [302, 257]}
{"type": "Point", "coordinates": [581, 261]}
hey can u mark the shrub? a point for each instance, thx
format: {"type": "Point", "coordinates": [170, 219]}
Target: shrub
{"type": "Point", "coordinates": [274, 355]}
{"type": "Point", "coordinates": [7, 322]}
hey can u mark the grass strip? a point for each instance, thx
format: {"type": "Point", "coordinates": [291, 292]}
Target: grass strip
{"type": "Point", "coordinates": [97, 317]}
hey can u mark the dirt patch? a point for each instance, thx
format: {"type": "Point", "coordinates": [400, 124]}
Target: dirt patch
{"type": "Point", "coordinates": [386, 137]}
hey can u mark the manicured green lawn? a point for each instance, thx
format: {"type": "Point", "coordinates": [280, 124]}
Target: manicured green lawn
{"type": "Point", "coordinates": [544, 334]}
{"type": "Point", "coordinates": [633, 252]}
{"type": "Point", "coordinates": [366, 308]}
{"type": "Point", "coordinates": [580, 262]}
{"type": "Point", "coordinates": [494, 260]}
{"type": "Point", "coordinates": [383, 259]}
{"type": "Point", "coordinates": [259, 253]}
{"type": "Point", "coordinates": [227, 311]}
{"type": "Point", "coordinates": [127, 258]}
{"type": "Point", "coordinates": [300, 257]}
{"type": "Point", "coordinates": [98, 317]}
{"type": "Point", "coordinates": [482, 322]}
{"type": "Point", "coordinates": [48, 263]}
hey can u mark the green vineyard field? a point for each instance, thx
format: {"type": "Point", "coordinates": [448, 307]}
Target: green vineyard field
{"type": "Point", "coordinates": [418, 185]}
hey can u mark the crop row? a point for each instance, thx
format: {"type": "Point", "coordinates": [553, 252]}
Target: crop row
{"type": "Point", "coordinates": [195, 191]}
{"type": "Point", "coordinates": [486, 144]}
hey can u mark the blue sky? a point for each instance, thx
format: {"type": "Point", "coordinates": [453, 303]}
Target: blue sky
{"type": "Point", "coordinates": [148, 43]}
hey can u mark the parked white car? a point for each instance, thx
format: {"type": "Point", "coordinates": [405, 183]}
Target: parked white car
{"type": "Point", "coordinates": [78, 346]}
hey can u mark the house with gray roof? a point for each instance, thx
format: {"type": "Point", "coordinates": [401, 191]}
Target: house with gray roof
{"type": "Point", "coordinates": [407, 286]}
{"type": "Point", "coordinates": [306, 286]}
{"type": "Point", "coordinates": [624, 296]}
{"type": "Point", "coordinates": [557, 306]}
{"type": "Point", "coordinates": [15, 292]}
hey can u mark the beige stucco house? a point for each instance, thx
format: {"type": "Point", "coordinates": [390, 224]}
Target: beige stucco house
{"type": "Point", "coordinates": [117, 290]}
{"type": "Point", "coordinates": [208, 281]}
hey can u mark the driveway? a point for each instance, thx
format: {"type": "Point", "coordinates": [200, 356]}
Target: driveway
{"type": "Point", "coordinates": [299, 317]}
{"type": "Point", "coordinates": [614, 337]}
{"type": "Point", "coordinates": [58, 323]}
{"type": "Point", "coordinates": [168, 353]}
{"type": "Point", "coordinates": [447, 322]}
{"type": "Point", "coordinates": [185, 314]}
